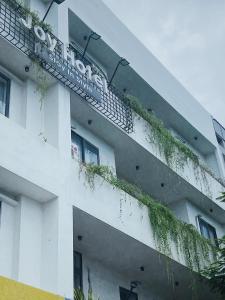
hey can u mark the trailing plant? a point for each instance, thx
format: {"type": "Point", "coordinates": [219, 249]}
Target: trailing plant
{"type": "Point", "coordinates": [79, 295]}
{"type": "Point", "coordinates": [41, 77]}
{"type": "Point", "coordinates": [35, 17]}
{"type": "Point", "coordinates": [216, 271]}
{"type": "Point", "coordinates": [41, 80]}
{"type": "Point", "coordinates": [175, 152]}
{"type": "Point", "coordinates": [222, 197]}
{"type": "Point", "coordinates": [167, 229]}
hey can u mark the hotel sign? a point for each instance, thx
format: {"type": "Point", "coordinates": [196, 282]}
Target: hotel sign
{"type": "Point", "coordinates": [71, 68]}
{"type": "Point", "coordinates": [61, 62]}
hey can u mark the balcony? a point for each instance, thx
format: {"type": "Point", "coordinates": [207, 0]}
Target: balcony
{"type": "Point", "coordinates": [109, 220]}
{"type": "Point", "coordinates": [127, 208]}
{"type": "Point", "coordinates": [169, 183]}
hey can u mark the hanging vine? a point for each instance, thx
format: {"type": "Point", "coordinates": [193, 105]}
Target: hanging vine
{"type": "Point", "coordinates": [176, 154]}
{"type": "Point", "coordinates": [167, 229]}
{"type": "Point", "coordinates": [35, 17]}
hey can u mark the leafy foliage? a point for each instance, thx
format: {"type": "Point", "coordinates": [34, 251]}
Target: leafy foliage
{"type": "Point", "coordinates": [35, 17]}
{"type": "Point", "coordinates": [167, 229]}
{"type": "Point", "coordinates": [79, 295]}
{"type": "Point", "coordinates": [216, 271]}
{"type": "Point", "coordinates": [222, 197]}
{"type": "Point", "coordinates": [175, 152]}
{"type": "Point", "coordinates": [41, 80]}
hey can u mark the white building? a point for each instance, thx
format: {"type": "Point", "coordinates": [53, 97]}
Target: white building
{"type": "Point", "coordinates": [58, 231]}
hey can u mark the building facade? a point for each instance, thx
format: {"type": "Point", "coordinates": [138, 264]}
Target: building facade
{"type": "Point", "coordinates": [84, 166]}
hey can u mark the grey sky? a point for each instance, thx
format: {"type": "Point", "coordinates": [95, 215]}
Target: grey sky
{"type": "Point", "coordinates": [188, 37]}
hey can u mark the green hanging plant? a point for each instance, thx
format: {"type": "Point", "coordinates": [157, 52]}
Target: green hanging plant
{"type": "Point", "coordinates": [78, 294]}
{"type": "Point", "coordinates": [167, 229]}
{"type": "Point", "coordinates": [222, 197]}
{"type": "Point", "coordinates": [35, 17]}
{"type": "Point", "coordinates": [41, 80]}
{"type": "Point", "coordinates": [176, 153]}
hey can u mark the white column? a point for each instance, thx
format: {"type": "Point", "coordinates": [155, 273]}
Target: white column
{"type": "Point", "coordinates": [28, 242]}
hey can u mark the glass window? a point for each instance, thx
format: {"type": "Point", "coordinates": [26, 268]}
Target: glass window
{"type": "Point", "coordinates": [77, 270]}
{"type": "Point", "coordinates": [219, 140]}
{"type": "Point", "coordinates": [90, 154]}
{"type": "Point", "coordinates": [127, 294]}
{"type": "Point", "coordinates": [83, 150]}
{"type": "Point", "coordinates": [208, 231]}
{"type": "Point", "coordinates": [220, 132]}
{"type": "Point", "coordinates": [77, 146]}
{"type": "Point", "coordinates": [4, 95]}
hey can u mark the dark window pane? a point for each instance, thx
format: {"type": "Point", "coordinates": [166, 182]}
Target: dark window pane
{"type": "Point", "coordinates": [91, 154]}
{"type": "Point", "coordinates": [3, 96]}
{"type": "Point", "coordinates": [208, 231]}
{"type": "Point", "coordinates": [219, 140]}
{"type": "Point", "coordinates": [83, 150]}
{"type": "Point", "coordinates": [77, 260]}
{"type": "Point", "coordinates": [127, 295]}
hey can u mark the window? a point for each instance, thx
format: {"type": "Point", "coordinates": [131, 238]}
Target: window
{"type": "Point", "coordinates": [220, 132]}
{"type": "Point", "coordinates": [83, 150]}
{"type": "Point", "coordinates": [4, 95]}
{"type": "Point", "coordinates": [219, 140]}
{"type": "Point", "coordinates": [127, 294]}
{"type": "Point", "coordinates": [77, 270]}
{"type": "Point", "coordinates": [208, 231]}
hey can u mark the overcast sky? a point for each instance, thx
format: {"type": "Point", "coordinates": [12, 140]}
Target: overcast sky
{"type": "Point", "coordinates": [188, 37]}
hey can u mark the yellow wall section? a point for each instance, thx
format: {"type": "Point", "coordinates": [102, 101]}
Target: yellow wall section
{"type": "Point", "coordinates": [13, 290]}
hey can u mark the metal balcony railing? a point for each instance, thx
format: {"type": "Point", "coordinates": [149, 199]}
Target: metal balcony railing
{"type": "Point", "coordinates": [111, 104]}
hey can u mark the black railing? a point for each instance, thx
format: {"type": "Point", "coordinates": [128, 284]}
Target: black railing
{"type": "Point", "coordinates": [112, 104]}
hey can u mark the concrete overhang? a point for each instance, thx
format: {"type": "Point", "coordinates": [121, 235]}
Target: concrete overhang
{"type": "Point", "coordinates": [15, 186]}
{"type": "Point", "coordinates": [125, 255]}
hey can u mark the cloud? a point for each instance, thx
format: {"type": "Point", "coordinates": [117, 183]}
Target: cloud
{"type": "Point", "coordinates": [188, 38]}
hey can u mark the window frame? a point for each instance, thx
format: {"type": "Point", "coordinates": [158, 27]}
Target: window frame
{"type": "Point", "coordinates": [209, 227]}
{"type": "Point", "coordinates": [84, 142]}
{"type": "Point", "coordinates": [78, 270]}
{"type": "Point", "coordinates": [122, 289]}
{"type": "Point", "coordinates": [8, 85]}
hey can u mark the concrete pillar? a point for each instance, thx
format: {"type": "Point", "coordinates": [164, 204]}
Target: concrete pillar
{"type": "Point", "coordinates": [28, 241]}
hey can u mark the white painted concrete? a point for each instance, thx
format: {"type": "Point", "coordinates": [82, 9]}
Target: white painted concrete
{"type": "Point", "coordinates": [36, 236]}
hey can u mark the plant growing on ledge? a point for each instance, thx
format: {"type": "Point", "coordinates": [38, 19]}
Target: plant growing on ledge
{"type": "Point", "coordinates": [167, 229]}
{"type": "Point", "coordinates": [35, 17]}
{"type": "Point", "coordinates": [216, 271]}
{"type": "Point", "coordinates": [42, 81]}
{"type": "Point", "coordinates": [222, 197]}
{"type": "Point", "coordinates": [175, 152]}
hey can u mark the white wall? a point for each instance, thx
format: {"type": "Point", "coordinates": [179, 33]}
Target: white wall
{"type": "Point", "coordinates": [7, 228]}
{"type": "Point", "coordinates": [106, 282]}
{"type": "Point", "coordinates": [30, 241]}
